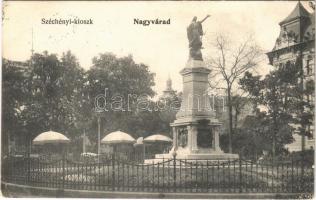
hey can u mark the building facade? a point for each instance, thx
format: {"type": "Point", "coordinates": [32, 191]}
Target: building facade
{"type": "Point", "coordinates": [296, 41]}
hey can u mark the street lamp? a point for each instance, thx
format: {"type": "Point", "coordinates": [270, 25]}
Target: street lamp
{"type": "Point", "coordinates": [99, 131]}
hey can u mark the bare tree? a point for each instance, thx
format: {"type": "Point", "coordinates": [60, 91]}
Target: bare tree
{"type": "Point", "coordinates": [228, 63]}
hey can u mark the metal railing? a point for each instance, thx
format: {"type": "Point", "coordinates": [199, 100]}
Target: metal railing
{"type": "Point", "coordinates": [172, 175]}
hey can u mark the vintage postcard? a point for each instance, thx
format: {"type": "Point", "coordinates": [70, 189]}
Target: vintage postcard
{"type": "Point", "coordinates": [158, 99]}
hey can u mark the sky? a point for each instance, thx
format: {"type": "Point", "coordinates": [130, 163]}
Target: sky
{"type": "Point", "coordinates": [164, 48]}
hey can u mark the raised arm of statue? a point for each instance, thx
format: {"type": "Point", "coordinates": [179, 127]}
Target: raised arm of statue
{"type": "Point", "coordinates": [207, 16]}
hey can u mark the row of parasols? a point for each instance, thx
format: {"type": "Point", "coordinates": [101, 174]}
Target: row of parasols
{"type": "Point", "coordinates": [117, 137]}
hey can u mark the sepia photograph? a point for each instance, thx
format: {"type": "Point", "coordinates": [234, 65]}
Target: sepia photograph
{"type": "Point", "coordinates": [158, 99]}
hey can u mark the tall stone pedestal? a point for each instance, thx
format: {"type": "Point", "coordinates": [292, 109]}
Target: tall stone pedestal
{"type": "Point", "coordinates": [196, 129]}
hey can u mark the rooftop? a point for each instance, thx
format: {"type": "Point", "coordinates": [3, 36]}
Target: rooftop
{"type": "Point", "coordinates": [299, 11]}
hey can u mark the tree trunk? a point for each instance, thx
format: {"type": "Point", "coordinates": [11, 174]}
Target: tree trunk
{"type": "Point", "coordinates": [8, 149]}
{"type": "Point", "coordinates": [302, 110]}
{"type": "Point", "coordinates": [303, 138]}
{"type": "Point", "coordinates": [274, 136]}
{"type": "Point", "coordinates": [29, 146]}
{"type": "Point", "coordinates": [230, 119]}
{"type": "Point", "coordinates": [236, 118]}
{"type": "Point", "coordinates": [274, 121]}
{"type": "Point", "coordinates": [303, 127]}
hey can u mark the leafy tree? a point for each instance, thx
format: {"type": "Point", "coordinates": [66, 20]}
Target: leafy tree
{"type": "Point", "coordinates": [123, 83]}
{"type": "Point", "coordinates": [254, 136]}
{"type": "Point", "coordinates": [73, 93]}
{"type": "Point", "coordinates": [250, 139]}
{"type": "Point", "coordinates": [57, 94]}
{"type": "Point", "coordinates": [278, 93]}
{"type": "Point", "coordinates": [13, 99]}
{"type": "Point", "coordinates": [300, 105]}
{"type": "Point", "coordinates": [53, 88]}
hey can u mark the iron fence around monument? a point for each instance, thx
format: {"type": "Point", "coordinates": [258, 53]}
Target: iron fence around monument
{"type": "Point", "coordinates": [172, 175]}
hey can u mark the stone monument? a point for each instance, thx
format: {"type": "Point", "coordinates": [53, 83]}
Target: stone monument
{"type": "Point", "coordinates": [196, 129]}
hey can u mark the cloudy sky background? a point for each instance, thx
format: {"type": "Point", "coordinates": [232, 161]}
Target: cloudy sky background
{"type": "Point", "coordinates": [164, 48]}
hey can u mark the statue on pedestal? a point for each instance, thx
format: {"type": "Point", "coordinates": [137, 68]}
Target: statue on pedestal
{"type": "Point", "coordinates": [196, 128]}
{"type": "Point", "coordinates": [194, 33]}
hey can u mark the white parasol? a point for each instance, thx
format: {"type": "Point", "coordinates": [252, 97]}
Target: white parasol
{"type": "Point", "coordinates": [118, 137]}
{"type": "Point", "coordinates": [157, 138]}
{"type": "Point", "coordinates": [50, 137]}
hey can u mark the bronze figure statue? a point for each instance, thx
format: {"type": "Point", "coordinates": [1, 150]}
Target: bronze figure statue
{"type": "Point", "coordinates": [194, 33]}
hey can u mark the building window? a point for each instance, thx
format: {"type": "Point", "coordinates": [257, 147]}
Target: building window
{"type": "Point", "coordinates": [308, 69]}
{"type": "Point", "coordinates": [309, 65]}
